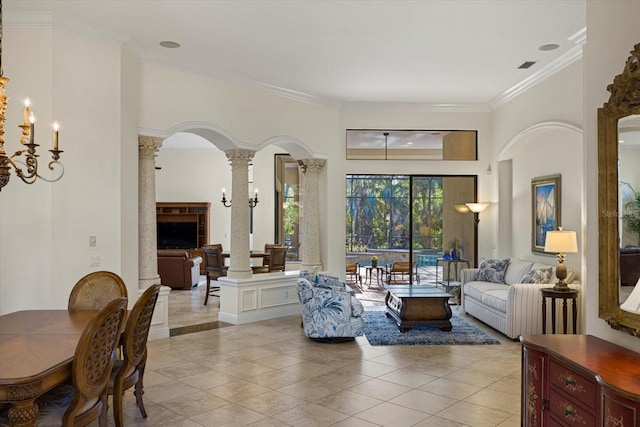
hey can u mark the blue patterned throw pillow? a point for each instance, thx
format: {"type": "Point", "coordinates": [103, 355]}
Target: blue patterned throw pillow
{"type": "Point", "coordinates": [538, 275]}
{"type": "Point", "coordinates": [492, 270]}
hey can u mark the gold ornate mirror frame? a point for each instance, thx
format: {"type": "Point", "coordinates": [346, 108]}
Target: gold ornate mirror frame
{"type": "Point", "coordinates": [624, 101]}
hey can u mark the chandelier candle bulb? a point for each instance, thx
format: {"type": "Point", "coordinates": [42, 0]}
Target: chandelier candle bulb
{"type": "Point", "coordinates": [27, 103]}
{"type": "Point", "coordinates": [32, 128]}
{"type": "Point", "coordinates": [56, 126]}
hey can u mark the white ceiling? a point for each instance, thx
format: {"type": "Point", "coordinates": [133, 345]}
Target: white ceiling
{"type": "Point", "coordinates": [427, 52]}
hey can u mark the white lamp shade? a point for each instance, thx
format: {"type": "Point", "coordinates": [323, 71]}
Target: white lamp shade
{"type": "Point", "coordinates": [477, 207]}
{"type": "Point", "coordinates": [561, 242]}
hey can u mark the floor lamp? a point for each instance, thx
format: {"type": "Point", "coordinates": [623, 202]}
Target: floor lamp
{"type": "Point", "coordinates": [476, 208]}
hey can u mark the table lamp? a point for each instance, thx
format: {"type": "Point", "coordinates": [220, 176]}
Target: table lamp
{"type": "Point", "coordinates": [561, 242]}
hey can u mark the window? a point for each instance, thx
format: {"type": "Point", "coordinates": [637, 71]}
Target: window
{"type": "Point", "coordinates": [407, 217]}
{"type": "Point", "coordinates": [380, 144]}
{"type": "Point", "coordinates": [287, 206]}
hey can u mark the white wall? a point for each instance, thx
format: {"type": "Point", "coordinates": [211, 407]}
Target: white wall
{"type": "Point", "coordinates": [45, 228]}
{"type": "Point", "coordinates": [26, 224]}
{"type": "Point", "coordinates": [539, 132]}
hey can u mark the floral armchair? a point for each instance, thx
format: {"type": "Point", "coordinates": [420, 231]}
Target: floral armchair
{"type": "Point", "coordinates": [330, 313]}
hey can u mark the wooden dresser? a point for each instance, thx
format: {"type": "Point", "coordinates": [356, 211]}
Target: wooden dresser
{"type": "Point", "coordinates": [579, 380]}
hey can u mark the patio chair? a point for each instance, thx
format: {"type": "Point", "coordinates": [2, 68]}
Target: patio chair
{"type": "Point", "coordinates": [401, 272]}
{"type": "Point", "coordinates": [352, 274]}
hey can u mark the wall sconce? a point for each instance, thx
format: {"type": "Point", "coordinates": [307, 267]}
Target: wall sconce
{"type": "Point", "coordinates": [561, 242]}
{"type": "Point", "coordinates": [252, 202]}
{"type": "Point", "coordinates": [476, 208]}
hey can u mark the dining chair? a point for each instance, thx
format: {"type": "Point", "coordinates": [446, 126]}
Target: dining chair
{"type": "Point", "coordinates": [277, 260]}
{"type": "Point", "coordinates": [85, 399]}
{"type": "Point", "coordinates": [267, 251]}
{"type": "Point", "coordinates": [129, 371]}
{"type": "Point", "coordinates": [215, 268]}
{"type": "Point", "coordinates": [95, 290]}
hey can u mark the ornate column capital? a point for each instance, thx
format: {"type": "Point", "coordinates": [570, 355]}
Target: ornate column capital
{"type": "Point", "coordinates": [239, 156]}
{"type": "Point", "coordinates": [311, 165]}
{"type": "Point", "coordinates": [148, 146]}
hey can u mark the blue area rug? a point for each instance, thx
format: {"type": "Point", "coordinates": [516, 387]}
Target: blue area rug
{"type": "Point", "coordinates": [382, 330]}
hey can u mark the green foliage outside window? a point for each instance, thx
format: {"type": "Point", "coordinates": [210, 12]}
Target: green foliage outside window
{"type": "Point", "coordinates": [378, 213]}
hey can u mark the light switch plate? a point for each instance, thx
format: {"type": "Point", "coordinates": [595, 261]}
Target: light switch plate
{"type": "Point", "coordinates": [92, 241]}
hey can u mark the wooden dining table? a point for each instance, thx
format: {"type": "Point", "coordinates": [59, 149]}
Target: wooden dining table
{"type": "Point", "coordinates": [36, 354]}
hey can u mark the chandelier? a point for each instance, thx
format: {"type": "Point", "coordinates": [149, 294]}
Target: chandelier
{"type": "Point", "coordinates": [26, 157]}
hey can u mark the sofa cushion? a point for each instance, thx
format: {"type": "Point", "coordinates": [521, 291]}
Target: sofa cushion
{"type": "Point", "coordinates": [538, 275]}
{"type": "Point", "coordinates": [476, 289]}
{"type": "Point", "coordinates": [571, 275]}
{"type": "Point", "coordinates": [496, 299]}
{"type": "Point", "coordinates": [492, 270]}
{"type": "Point", "coordinates": [516, 269]}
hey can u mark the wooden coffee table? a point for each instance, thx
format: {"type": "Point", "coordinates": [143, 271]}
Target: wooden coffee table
{"type": "Point", "coordinates": [413, 305]}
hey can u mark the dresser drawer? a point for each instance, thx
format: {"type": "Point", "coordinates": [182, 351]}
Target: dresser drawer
{"type": "Point", "coordinates": [570, 412]}
{"type": "Point", "coordinates": [577, 386]}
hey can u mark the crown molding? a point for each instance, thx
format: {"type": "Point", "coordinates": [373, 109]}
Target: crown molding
{"type": "Point", "coordinates": [421, 108]}
{"type": "Point", "coordinates": [572, 55]}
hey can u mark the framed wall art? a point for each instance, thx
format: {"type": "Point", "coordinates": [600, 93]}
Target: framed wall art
{"type": "Point", "coordinates": [545, 205]}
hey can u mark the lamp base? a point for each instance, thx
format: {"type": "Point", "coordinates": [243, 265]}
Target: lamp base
{"type": "Point", "coordinates": [561, 274]}
{"type": "Point", "coordinates": [561, 286]}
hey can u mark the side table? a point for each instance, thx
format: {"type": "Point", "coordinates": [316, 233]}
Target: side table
{"type": "Point", "coordinates": [571, 295]}
{"type": "Point", "coordinates": [455, 262]}
{"type": "Point", "coordinates": [368, 276]}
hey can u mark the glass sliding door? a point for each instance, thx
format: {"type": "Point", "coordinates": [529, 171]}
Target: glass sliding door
{"type": "Point", "coordinates": [408, 218]}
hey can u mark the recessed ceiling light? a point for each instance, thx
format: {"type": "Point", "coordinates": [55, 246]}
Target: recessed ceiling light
{"type": "Point", "coordinates": [550, 46]}
{"type": "Point", "coordinates": [410, 143]}
{"type": "Point", "coordinates": [170, 45]}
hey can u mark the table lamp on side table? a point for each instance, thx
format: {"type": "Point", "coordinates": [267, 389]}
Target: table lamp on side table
{"type": "Point", "coordinates": [561, 242]}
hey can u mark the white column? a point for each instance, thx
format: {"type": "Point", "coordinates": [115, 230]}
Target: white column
{"type": "Point", "coordinates": [239, 266]}
{"type": "Point", "coordinates": [147, 234]}
{"type": "Point", "coordinates": [311, 211]}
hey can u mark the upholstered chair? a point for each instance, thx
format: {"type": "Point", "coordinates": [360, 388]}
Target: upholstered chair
{"type": "Point", "coordinates": [95, 290]}
{"type": "Point", "coordinates": [177, 270]}
{"type": "Point", "coordinates": [329, 314]}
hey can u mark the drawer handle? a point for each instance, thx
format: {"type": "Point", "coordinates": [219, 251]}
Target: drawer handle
{"type": "Point", "coordinates": [569, 382]}
{"type": "Point", "coordinates": [569, 413]}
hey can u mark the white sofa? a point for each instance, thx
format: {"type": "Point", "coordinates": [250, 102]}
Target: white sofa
{"type": "Point", "coordinates": [512, 308]}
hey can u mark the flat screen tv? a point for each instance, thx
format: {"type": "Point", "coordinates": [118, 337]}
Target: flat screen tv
{"type": "Point", "coordinates": [177, 235]}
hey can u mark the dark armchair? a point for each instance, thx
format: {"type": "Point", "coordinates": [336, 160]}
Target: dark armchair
{"type": "Point", "coordinates": [177, 270]}
{"type": "Point", "coordinates": [629, 265]}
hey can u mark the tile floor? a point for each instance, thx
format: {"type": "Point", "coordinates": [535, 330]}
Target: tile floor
{"type": "Point", "coordinates": [270, 374]}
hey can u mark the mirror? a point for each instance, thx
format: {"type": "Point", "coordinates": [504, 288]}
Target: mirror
{"type": "Point", "coordinates": [615, 121]}
{"type": "Point", "coordinates": [629, 208]}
